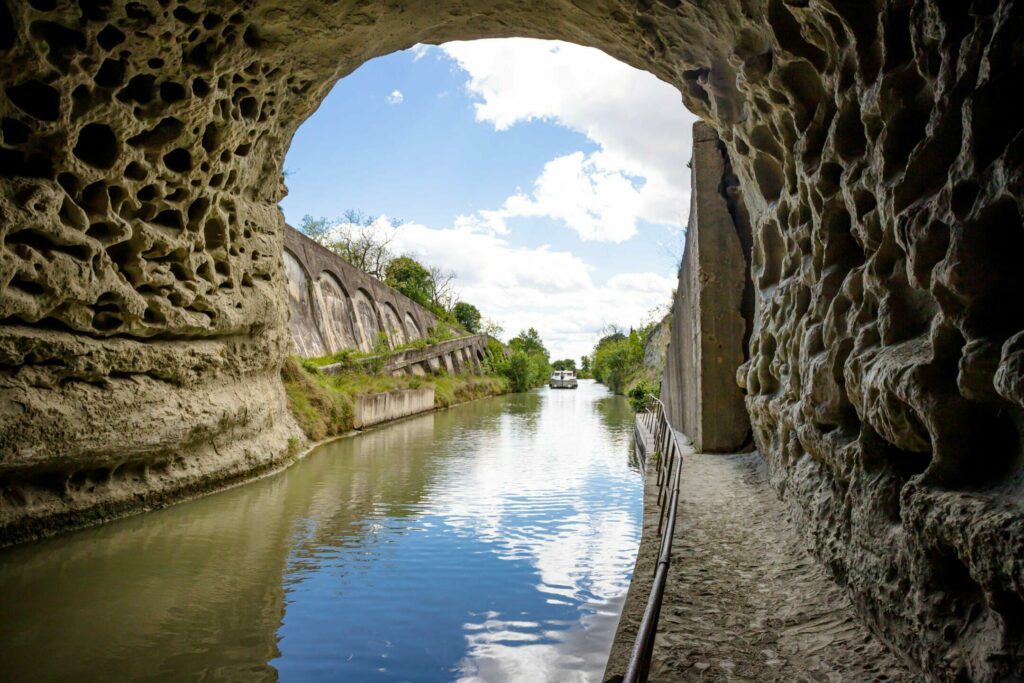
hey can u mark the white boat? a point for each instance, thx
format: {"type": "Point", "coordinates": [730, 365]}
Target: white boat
{"type": "Point", "coordinates": [562, 379]}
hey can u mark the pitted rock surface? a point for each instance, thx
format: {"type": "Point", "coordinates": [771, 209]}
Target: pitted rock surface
{"type": "Point", "coordinates": [878, 154]}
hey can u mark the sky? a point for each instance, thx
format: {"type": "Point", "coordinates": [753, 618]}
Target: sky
{"type": "Point", "coordinates": [551, 178]}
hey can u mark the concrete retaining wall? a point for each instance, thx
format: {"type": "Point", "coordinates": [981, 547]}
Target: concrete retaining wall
{"type": "Point", "coordinates": [465, 354]}
{"type": "Point", "coordinates": [336, 306]}
{"type": "Point", "coordinates": [391, 405]}
{"type": "Point", "coordinates": [713, 308]}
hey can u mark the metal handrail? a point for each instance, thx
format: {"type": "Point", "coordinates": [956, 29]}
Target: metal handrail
{"type": "Point", "coordinates": [664, 437]}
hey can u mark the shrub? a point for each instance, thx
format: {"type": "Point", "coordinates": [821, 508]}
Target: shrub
{"type": "Point", "coordinates": [641, 393]}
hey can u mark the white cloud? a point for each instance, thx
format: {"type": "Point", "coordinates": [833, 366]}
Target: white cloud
{"type": "Point", "coordinates": [638, 121]}
{"type": "Point", "coordinates": [419, 51]}
{"type": "Point", "coordinates": [521, 287]}
{"type": "Point", "coordinates": [396, 97]}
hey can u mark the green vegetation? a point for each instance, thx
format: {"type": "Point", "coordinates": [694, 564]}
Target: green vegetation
{"type": "Point", "coordinates": [323, 404]}
{"type": "Point", "coordinates": [526, 366]}
{"type": "Point", "coordinates": [468, 316]}
{"type": "Point", "coordinates": [564, 364]}
{"type": "Point", "coordinates": [618, 363]}
{"type": "Point", "coordinates": [411, 278]}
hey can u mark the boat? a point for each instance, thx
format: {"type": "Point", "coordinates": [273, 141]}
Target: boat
{"type": "Point", "coordinates": [562, 379]}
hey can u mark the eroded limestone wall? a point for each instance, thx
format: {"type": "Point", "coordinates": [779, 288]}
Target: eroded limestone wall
{"type": "Point", "coordinates": [144, 307]}
{"type": "Point", "coordinates": [336, 306]}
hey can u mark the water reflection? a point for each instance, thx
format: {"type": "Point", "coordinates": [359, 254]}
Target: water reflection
{"type": "Point", "coordinates": [491, 542]}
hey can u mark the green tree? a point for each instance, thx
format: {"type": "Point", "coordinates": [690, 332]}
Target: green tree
{"type": "Point", "coordinates": [618, 358]}
{"type": "Point", "coordinates": [527, 365]}
{"type": "Point", "coordinates": [468, 316]}
{"type": "Point", "coordinates": [528, 341]}
{"type": "Point", "coordinates": [411, 278]}
{"type": "Point", "coordinates": [518, 369]}
{"type": "Point", "coordinates": [564, 364]}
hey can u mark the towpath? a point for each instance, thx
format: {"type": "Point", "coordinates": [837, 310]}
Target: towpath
{"type": "Point", "coordinates": [745, 602]}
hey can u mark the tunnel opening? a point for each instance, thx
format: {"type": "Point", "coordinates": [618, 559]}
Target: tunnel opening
{"type": "Point", "coordinates": [824, 108]}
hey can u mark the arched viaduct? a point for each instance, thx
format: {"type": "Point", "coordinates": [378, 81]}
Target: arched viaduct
{"type": "Point", "coordinates": [333, 305]}
{"type": "Point", "coordinates": [144, 300]}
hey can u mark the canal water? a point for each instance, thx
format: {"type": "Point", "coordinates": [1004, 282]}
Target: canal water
{"type": "Point", "coordinates": [491, 542]}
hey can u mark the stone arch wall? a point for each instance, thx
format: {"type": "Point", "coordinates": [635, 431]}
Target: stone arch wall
{"type": "Point", "coordinates": [334, 314]}
{"type": "Point", "coordinates": [392, 324]}
{"type": "Point", "coordinates": [333, 322]}
{"type": "Point", "coordinates": [301, 294]}
{"type": "Point", "coordinates": [412, 330]}
{"type": "Point", "coordinates": [368, 322]}
{"type": "Point", "coordinates": [139, 176]}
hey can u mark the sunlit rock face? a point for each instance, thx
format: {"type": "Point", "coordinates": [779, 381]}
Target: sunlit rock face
{"type": "Point", "coordinates": [144, 303]}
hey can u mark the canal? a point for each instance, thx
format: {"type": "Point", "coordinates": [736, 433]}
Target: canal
{"type": "Point", "coordinates": [490, 542]}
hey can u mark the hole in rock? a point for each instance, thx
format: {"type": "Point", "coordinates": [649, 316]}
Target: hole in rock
{"type": "Point", "coordinates": [15, 132]}
{"type": "Point", "coordinates": [139, 89]}
{"type": "Point", "coordinates": [135, 171]}
{"type": "Point", "coordinates": [111, 73]}
{"type": "Point", "coordinates": [169, 218]}
{"type": "Point", "coordinates": [62, 41]}
{"type": "Point", "coordinates": [160, 135]}
{"type": "Point", "coordinates": [110, 37]}
{"type": "Point", "coordinates": [37, 99]}
{"type": "Point", "coordinates": [104, 233]}
{"type": "Point", "coordinates": [171, 92]}
{"type": "Point", "coordinates": [178, 160]}
{"type": "Point", "coordinates": [42, 243]}
{"type": "Point", "coordinates": [97, 146]}
{"type": "Point", "coordinates": [8, 34]}
{"type": "Point", "coordinates": [26, 286]}
{"type": "Point", "coordinates": [15, 164]}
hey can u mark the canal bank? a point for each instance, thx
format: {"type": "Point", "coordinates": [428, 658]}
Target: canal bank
{"type": "Point", "coordinates": [743, 601]}
{"type": "Point", "coordinates": [489, 542]}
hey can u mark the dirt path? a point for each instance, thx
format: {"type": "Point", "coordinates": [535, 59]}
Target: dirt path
{"type": "Point", "coordinates": [745, 602]}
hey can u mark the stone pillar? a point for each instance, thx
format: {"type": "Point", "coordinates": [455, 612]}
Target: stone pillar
{"type": "Point", "coordinates": [713, 309]}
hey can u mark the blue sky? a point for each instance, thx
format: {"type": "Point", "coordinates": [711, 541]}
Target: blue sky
{"type": "Point", "coordinates": [550, 177]}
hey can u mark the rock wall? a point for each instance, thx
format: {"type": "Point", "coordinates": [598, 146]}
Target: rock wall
{"type": "Point", "coordinates": [712, 314]}
{"type": "Point", "coordinates": [336, 306]}
{"type": "Point", "coordinates": [144, 302]}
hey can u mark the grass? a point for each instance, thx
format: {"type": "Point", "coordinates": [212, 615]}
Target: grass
{"type": "Point", "coordinates": [323, 404]}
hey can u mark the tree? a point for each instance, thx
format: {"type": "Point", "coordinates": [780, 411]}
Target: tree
{"type": "Point", "coordinates": [584, 363]}
{"type": "Point", "coordinates": [468, 316]}
{"type": "Point", "coordinates": [528, 341]}
{"type": "Point", "coordinates": [527, 365]}
{"type": "Point", "coordinates": [518, 369]}
{"type": "Point", "coordinates": [360, 239]}
{"type": "Point", "coordinates": [442, 290]}
{"type": "Point", "coordinates": [564, 364]}
{"type": "Point", "coordinates": [491, 328]}
{"type": "Point", "coordinates": [411, 278]}
{"type": "Point", "coordinates": [618, 358]}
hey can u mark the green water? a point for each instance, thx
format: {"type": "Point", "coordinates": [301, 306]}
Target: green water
{"type": "Point", "coordinates": [491, 542]}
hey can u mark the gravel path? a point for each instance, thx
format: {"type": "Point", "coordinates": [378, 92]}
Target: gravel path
{"type": "Point", "coordinates": [744, 602]}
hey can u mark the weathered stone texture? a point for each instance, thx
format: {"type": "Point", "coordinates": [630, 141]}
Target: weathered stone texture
{"type": "Point", "coordinates": [336, 306]}
{"type": "Point", "coordinates": [713, 308]}
{"type": "Point", "coordinates": [879, 157]}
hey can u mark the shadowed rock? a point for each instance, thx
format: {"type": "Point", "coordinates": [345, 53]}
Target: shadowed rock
{"type": "Point", "coordinates": [144, 303]}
